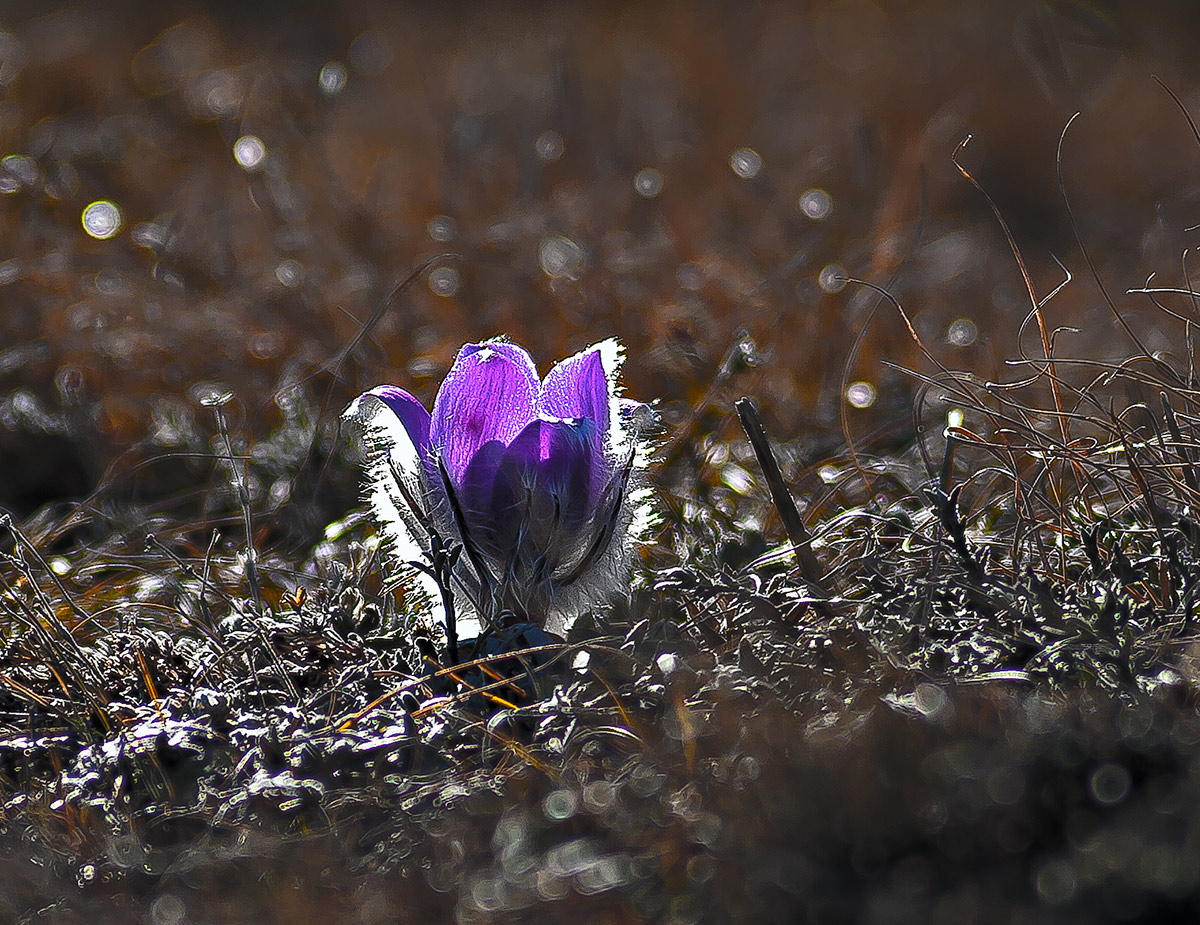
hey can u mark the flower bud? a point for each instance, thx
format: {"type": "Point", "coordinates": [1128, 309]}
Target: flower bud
{"type": "Point", "coordinates": [536, 479]}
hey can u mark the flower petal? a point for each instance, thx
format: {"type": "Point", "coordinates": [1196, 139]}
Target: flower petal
{"type": "Point", "coordinates": [580, 387]}
{"type": "Point", "coordinates": [412, 414]}
{"type": "Point", "coordinates": [567, 461]}
{"type": "Point", "coordinates": [543, 487]}
{"type": "Point", "coordinates": [518, 355]}
{"type": "Point", "coordinates": [553, 455]}
{"type": "Point", "coordinates": [478, 479]}
{"type": "Point", "coordinates": [394, 429]}
{"type": "Point", "coordinates": [515, 491]}
{"type": "Point", "coordinates": [577, 387]}
{"type": "Point", "coordinates": [474, 494]}
{"type": "Point", "coordinates": [489, 394]}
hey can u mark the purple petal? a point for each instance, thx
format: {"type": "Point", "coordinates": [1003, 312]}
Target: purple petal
{"type": "Point", "coordinates": [475, 495]}
{"type": "Point", "coordinates": [551, 451]}
{"type": "Point", "coordinates": [518, 355]}
{"type": "Point", "coordinates": [478, 480]}
{"type": "Point", "coordinates": [496, 492]}
{"type": "Point", "coordinates": [412, 414]}
{"type": "Point", "coordinates": [548, 459]}
{"type": "Point", "coordinates": [489, 394]}
{"type": "Point", "coordinates": [577, 387]}
{"type": "Point", "coordinates": [567, 457]}
{"type": "Point", "coordinates": [525, 449]}
{"type": "Point", "coordinates": [541, 485]}
{"type": "Point", "coordinates": [513, 488]}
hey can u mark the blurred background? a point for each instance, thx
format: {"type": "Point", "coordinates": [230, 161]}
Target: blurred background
{"type": "Point", "coordinates": [205, 199]}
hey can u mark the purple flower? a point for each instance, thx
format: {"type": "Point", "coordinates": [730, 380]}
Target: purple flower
{"type": "Point", "coordinates": [535, 478]}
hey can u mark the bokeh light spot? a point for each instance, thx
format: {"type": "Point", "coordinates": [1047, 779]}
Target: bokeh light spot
{"type": "Point", "coordinates": [168, 909]}
{"type": "Point", "coordinates": [442, 228]}
{"type": "Point", "coordinates": [102, 219]}
{"type": "Point", "coordinates": [1109, 784]}
{"type": "Point", "coordinates": [962, 332]}
{"type": "Point", "coordinates": [290, 273]}
{"type": "Point", "coordinates": [332, 78]}
{"type": "Point", "coordinates": [746, 163]}
{"type": "Point", "coordinates": [861, 394]}
{"type": "Point", "coordinates": [648, 182]}
{"type": "Point", "coordinates": [1056, 883]}
{"type": "Point", "coordinates": [149, 235]}
{"type": "Point", "coordinates": [17, 170]}
{"type": "Point", "coordinates": [250, 152]}
{"type": "Point", "coordinates": [560, 805]}
{"type": "Point", "coordinates": [832, 278]}
{"type": "Point", "coordinates": [559, 256]}
{"type": "Point", "coordinates": [216, 93]}
{"type": "Point", "coordinates": [443, 281]}
{"type": "Point", "coordinates": [266, 344]}
{"type": "Point", "coordinates": [549, 146]}
{"type": "Point", "coordinates": [815, 204]}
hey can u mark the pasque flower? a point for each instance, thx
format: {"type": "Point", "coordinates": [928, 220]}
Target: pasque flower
{"type": "Point", "coordinates": [535, 478]}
